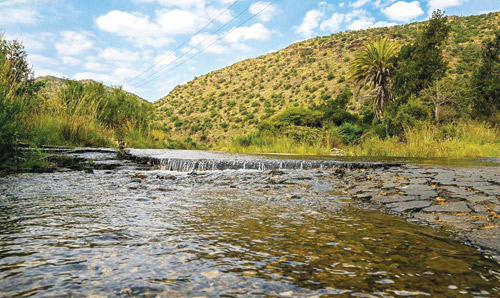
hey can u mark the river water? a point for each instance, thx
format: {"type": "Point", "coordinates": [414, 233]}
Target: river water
{"type": "Point", "coordinates": [128, 232]}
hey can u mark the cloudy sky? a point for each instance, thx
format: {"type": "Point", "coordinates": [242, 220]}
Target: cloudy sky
{"type": "Point", "coordinates": [150, 46]}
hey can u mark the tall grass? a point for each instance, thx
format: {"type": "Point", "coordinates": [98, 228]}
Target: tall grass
{"type": "Point", "coordinates": [73, 121]}
{"type": "Point", "coordinates": [270, 143]}
{"type": "Point", "coordinates": [465, 139]}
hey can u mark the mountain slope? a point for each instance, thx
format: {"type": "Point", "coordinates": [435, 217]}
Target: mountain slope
{"type": "Point", "coordinates": [234, 100]}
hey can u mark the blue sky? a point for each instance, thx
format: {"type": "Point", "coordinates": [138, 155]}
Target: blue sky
{"type": "Point", "coordinates": [150, 46]}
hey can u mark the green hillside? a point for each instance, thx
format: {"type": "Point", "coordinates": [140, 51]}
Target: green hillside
{"type": "Point", "coordinates": [233, 101]}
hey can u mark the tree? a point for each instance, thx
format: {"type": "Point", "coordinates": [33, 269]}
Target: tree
{"type": "Point", "coordinates": [486, 80]}
{"type": "Point", "coordinates": [373, 65]}
{"type": "Point", "coordinates": [440, 95]}
{"type": "Point", "coordinates": [420, 64]}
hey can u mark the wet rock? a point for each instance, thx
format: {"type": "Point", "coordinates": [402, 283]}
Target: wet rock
{"type": "Point", "coordinates": [456, 207]}
{"type": "Point", "coordinates": [479, 208]}
{"type": "Point", "coordinates": [166, 177]}
{"type": "Point", "coordinates": [274, 173]}
{"type": "Point", "coordinates": [140, 176]}
{"type": "Point", "coordinates": [408, 206]}
{"type": "Point", "coordinates": [395, 199]}
{"type": "Point", "coordinates": [457, 191]}
{"type": "Point", "coordinates": [486, 237]}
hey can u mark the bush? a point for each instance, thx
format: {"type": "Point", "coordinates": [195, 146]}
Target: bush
{"type": "Point", "coordinates": [348, 133]}
{"type": "Point", "coordinates": [298, 117]}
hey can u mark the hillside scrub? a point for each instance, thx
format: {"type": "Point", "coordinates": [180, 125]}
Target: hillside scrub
{"type": "Point", "coordinates": [428, 111]}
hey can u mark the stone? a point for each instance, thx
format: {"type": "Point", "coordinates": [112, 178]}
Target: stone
{"type": "Point", "coordinates": [395, 199]}
{"type": "Point", "coordinates": [479, 208]}
{"type": "Point", "coordinates": [408, 206]}
{"type": "Point", "coordinates": [456, 207]}
{"type": "Point", "coordinates": [487, 238]}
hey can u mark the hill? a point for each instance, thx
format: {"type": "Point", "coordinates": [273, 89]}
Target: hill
{"type": "Point", "coordinates": [52, 84]}
{"type": "Point", "coordinates": [233, 101]}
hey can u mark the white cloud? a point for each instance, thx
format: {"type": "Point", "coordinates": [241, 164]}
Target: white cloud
{"type": "Point", "coordinates": [222, 15]}
{"type": "Point", "coordinates": [95, 66]}
{"type": "Point", "coordinates": [366, 23]}
{"type": "Point", "coordinates": [333, 23]}
{"type": "Point", "coordinates": [255, 32]}
{"type": "Point", "coordinates": [358, 3]}
{"type": "Point", "coordinates": [403, 11]}
{"type": "Point", "coordinates": [40, 72]}
{"type": "Point", "coordinates": [177, 21]}
{"type": "Point", "coordinates": [115, 78]}
{"type": "Point", "coordinates": [30, 42]}
{"type": "Point", "coordinates": [18, 15]}
{"type": "Point", "coordinates": [37, 58]}
{"type": "Point", "coordinates": [74, 43]}
{"type": "Point", "coordinates": [71, 61]}
{"type": "Point", "coordinates": [265, 9]}
{"type": "Point", "coordinates": [383, 3]}
{"type": "Point", "coordinates": [361, 24]}
{"type": "Point", "coordinates": [310, 22]}
{"type": "Point", "coordinates": [166, 58]}
{"type": "Point", "coordinates": [184, 4]}
{"type": "Point", "coordinates": [208, 43]}
{"type": "Point", "coordinates": [119, 55]}
{"type": "Point", "coordinates": [137, 28]}
{"type": "Point", "coordinates": [442, 4]}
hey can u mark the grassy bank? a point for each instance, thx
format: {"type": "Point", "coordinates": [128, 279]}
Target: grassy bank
{"type": "Point", "coordinates": [465, 139]}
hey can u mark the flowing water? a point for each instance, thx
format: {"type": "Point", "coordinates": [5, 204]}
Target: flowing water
{"type": "Point", "coordinates": [221, 233]}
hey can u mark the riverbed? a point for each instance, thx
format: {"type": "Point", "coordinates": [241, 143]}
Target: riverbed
{"type": "Point", "coordinates": [121, 228]}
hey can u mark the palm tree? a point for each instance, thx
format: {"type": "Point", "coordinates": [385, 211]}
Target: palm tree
{"type": "Point", "coordinates": [373, 65]}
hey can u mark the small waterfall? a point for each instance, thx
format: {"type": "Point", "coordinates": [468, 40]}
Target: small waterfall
{"type": "Point", "coordinates": [252, 163]}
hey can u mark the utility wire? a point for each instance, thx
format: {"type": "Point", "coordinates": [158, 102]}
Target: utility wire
{"type": "Point", "coordinates": [184, 43]}
{"type": "Point", "coordinates": [150, 78]}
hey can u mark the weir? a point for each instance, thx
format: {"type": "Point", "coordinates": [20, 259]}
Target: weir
{"type": "Point", "coordinates": [188, 161]}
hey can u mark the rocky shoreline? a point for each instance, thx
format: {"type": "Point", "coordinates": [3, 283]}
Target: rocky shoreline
{"type": "Point", "coordinates": [464, 200]}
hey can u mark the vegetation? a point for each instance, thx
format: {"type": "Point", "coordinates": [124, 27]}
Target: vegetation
{"type": "Point", "coordinates": [420, 104]}
{"type": "Point", "coordinates": [72, 114]}
{"type": "Point", "coordinates": [438, 94]}
{"type": "Point", "coordinates": [373, 66]}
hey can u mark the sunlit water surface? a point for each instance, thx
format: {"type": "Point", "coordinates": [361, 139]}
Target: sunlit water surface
{"type": "Point", "coordinates": [223, 233]}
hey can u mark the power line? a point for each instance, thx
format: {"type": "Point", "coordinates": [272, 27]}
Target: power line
{"type": "Point", "coordinates": [184, 43]}
{"type": "Point", "coordinates": [150, 78]}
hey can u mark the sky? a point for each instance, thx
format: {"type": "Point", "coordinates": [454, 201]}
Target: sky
{"type": "Point", "coordinates": [150, 46]}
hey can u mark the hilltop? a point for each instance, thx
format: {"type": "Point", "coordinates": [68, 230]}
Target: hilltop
{"type": "Point", "coordinates": [234, 100]}
{"type": "Point", "coordinates": [52, 84]}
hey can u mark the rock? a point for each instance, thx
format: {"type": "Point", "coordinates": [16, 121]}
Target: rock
{"type": "Point", "coordinates": [407, 206]}
{"type": "Point", "coordinates": [136, 180]}
{"type": "Point", "coordinates": [274, 173]}
{"type": "Point", "coordinates": [453, 207]}
{"type": "Point", "coordinates": [395, 199]}
{"type": "Point", "coordinates": [487, 238]}
{"type": "Point", "coordinates": [479, 208]}
{"type": "Point", "coordinates": [140, 176]}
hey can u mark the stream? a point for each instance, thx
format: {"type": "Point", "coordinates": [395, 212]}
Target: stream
{"type": "Point", "coordinates": [135, 231]}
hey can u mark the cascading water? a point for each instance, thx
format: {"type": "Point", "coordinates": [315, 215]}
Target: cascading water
{"type": "Point", "coordinates": [174, 160]}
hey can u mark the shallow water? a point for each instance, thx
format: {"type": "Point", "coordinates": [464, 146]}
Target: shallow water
{"type": "Point", "coordinates": [219, 233]}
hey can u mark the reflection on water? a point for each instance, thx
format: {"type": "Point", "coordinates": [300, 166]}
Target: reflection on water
{"type": "Point", "coordinates": [176, 235]}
